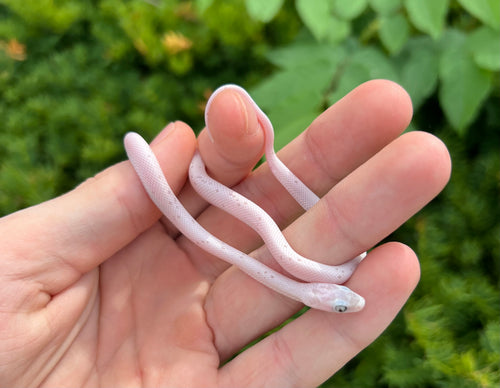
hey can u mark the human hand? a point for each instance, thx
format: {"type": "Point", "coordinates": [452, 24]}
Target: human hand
{"type": "Point", "coordinates": [98, 290]}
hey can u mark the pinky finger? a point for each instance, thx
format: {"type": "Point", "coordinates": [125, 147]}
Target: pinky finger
{"type": "Point", "coordinates": [315, 346]}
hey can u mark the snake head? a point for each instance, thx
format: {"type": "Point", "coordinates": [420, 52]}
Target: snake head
{"type": "Point", "coordinates": [348, 302]}
{"type": "Point", "coordinates": [334, 298]}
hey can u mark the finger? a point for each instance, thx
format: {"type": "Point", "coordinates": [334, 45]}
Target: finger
{"type": "Point", "coordinates": [230, 150]}
{"type": "Point", "coordinates": [56, 242]}
{"type": "Point", "coordinates": [313, 347]}
{"type": "Point", "coordinates": [338, 141]}
{"type": "Point", "coordinates": [235, 141]}
{"type": "Point", "coordinates": [362, 209]}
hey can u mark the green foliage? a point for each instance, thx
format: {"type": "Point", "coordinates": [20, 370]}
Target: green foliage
{"type": "Point", "coordinates": [409, 42]}
{"type": "Point", "coordinates": [428, 15]}
{"type": "Point", "coordinates": [488, 11]}
{"type": "Point", "coordinates": [85, 75]}
{"type": "Point", "coordinates": [394, 32]}
{"type": "Point", "coordinates": [54, 14]}
{"type": "Point", "coordinates": [448, 334]}
{"type": "Point", "coordinates": [263, 10]}
{"type": "Point", "coordinates": [464, 85]}
{"type": "Point", "coordinates": [75, 76]}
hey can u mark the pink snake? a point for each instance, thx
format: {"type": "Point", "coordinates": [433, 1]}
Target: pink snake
{"type": "Point", "coordinates": [320, 288]}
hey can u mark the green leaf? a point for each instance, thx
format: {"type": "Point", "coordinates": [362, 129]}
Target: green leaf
{"type": "Point", "coordinates": [419, 69]}
{"type": "Point", "coordinates": [376, 62]}
{"type": "Point", "coordinates": [290, 124]}
{"type": "Point", "coordinates": [348, 10]}
{"type": "Point", "coordinates": [304, 54]}
{"type": "Point", "coordinates": [263, 10]}
{"type": "Point", "coordinates": [385, 7]}
{"type": "Point", "coordinates": [488, 11]}
{"type": "Point", "coordinates": [293, 98]}
{"type": "Point", "coordinates": [316, 16]}
{"type": "Point", "coordinates": [484, 44]}
{"type": "Point", "coordinates": [394, 32]}
{"type": "Point", "coordinates": [338, 30]}
{"type": "Point", "coordinates": [464, 86]}
{"type": "Point", "coordinates": [428, 15]}
{"type": "Point", "coordinates": [202, 5]}
{"type": "Point", "coordinates": [365, 64]}
{"type": "Point", "coordinates": [353, 75]}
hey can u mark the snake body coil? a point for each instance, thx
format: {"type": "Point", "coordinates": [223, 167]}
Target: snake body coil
{"type": "Point", "coordinates": [321, 289]}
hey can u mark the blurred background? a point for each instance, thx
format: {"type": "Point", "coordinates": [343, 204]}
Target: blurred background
{"type": "Point", "coordinates": [76, 75]}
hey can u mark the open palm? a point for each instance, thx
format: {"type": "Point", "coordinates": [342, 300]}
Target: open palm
{"type": "Point", "coordinates": [97, 289]}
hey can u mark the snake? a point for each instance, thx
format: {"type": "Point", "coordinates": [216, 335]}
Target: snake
{"type": "Point", "coordinates": [314, 284]}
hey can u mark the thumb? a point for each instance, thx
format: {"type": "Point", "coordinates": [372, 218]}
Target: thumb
{"type": "Point", "coordinates": [54, 243]}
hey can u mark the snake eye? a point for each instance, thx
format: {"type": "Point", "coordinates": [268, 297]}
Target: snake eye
{"type": "Point", "coordinates": [340, 306]}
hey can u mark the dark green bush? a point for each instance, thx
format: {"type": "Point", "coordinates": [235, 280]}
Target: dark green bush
{"type": "Point", "coordinates": [76, 75]}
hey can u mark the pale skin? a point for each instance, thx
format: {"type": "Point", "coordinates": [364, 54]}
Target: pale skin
{"type": "Point", "coordinates": [98, 290]}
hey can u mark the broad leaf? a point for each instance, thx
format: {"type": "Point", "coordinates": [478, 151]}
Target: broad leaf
{"type": "Point", "coordinates": [304, 54]}
{"type": "Point", "coordinates": [316, 16]}
{"type": "Point", "coordinates": [488, 11]}
{"type": "Point", "coordinates": [464, 86]}
{"type": "Point", "coordinates": [293, 98]}
{"type": "Point", "coordinates": [385, 7]}
{"type": "Point", "coordinates": [290, 124]}
{"type": "Point", "coordinates": [484, 44]}
{"type": "Point", "coordinates": [428, 15]}
{"type": "Point", "coordinates": [376, 62]}
{"type": "Point", "coordinates": [348, 10]}
{"type": "Point", "coordinates": [365, 64]}
{"type": "Point", "coordinates": [353, 75]}
{"type": "Point", "coordinates": [202, 5]}
{"type": "Point", "coordinates": [394, 32]}
{"type": "Point", "coordinates": [263, 10]}
{"type": "Point", "coordinates": [338, 30]}
{"type": "Point", "coordinates": [419, 69]}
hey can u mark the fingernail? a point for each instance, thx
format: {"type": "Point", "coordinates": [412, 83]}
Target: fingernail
{"type": "Point", "coordinates": [243, 108]}
{"type": "Point", "coordinates": [207, 109]}
{"type": "Point", "coordinates": [252, 125]}
{"type": "Point", "coordinates": [209, 134]}
{"type": "Point", "coordinates": [164, 133]}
